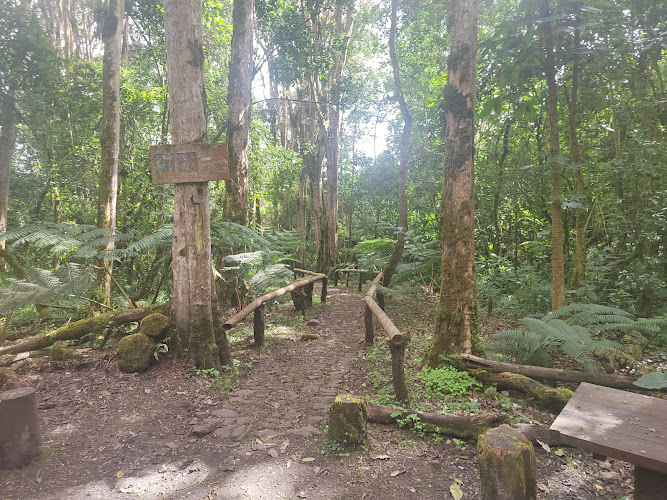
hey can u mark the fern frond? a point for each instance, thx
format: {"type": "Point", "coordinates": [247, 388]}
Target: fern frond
{"type": "Point", "coordinates": [160, 238]}
{"type": "Point", "coordinates": [578, 307]}
{"type": "Point", "coordinates": [44, 286]}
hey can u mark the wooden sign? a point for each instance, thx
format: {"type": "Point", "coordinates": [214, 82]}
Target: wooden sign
{"type": "Point", "coordinates": [197, 162]}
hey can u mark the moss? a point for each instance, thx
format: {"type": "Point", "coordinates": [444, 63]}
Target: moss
{"type": "Point", "coordinates": [135, 353]}
{"type": "Point", "coordinates": [203, 352]}
{"type": "Point", "coordinates": [552, 398]}
{"type": "Point", "coordinates": [60, 352]}
{"type": "Point", "coordinates": [155, 326]}
{"type": "Point", "coordinates": [309, 336]}
{"type": "Point", "coordinates": [347, 420]}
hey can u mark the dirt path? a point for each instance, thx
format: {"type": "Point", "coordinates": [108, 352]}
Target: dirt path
{"type": "Point", "coordinates": [160, 435]}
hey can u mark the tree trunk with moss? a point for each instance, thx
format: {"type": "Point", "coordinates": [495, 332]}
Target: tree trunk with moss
{"type": "Point", "coordinates": [403, 150]}
{"type": "Point", "coordinates": [112, 35]}
{"type": "Point", "coordinates": [456, 321]}
{"type": "Point", "coordinates": [8, 131]}
{"type": "Point", "coordinates": [239, 102]}
{"type": "Point", "coordinates": [191, 247]}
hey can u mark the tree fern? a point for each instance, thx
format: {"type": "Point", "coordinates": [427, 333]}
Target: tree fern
{"type": "Point", "coordinates": [575, 330]}
{"type": "Point", "coordinates": [44, 287]}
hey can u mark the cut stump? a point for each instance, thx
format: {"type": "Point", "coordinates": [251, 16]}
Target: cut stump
{"type": "Point", "coordinates": [506, 465]}
{"type": "Point", "coordinates": [347, 420]}
{"type": "Point", "coordinates": [20, 438]}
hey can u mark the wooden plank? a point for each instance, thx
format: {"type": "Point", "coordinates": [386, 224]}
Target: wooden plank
{"type": "Point", "coordinates": [195, 162]}
{"type": "Point", "coordinates": [619, 424]}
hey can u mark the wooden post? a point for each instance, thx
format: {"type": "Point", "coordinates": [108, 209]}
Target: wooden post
{"type": "Point", "coordinates": [380, 298]}
{"type": "Point", "coordinates": [20, 439]}
{"type": "Point", "coordinates": [361, 280]}
{"type": "Point", "coordinates": [506, 465]}
{"type": "Point", "coordinates": [368, 321]}
{"type": "Point", "coordinates": [649, 484]}
{"type": "Point", "coordinates": [336, 276]}
{"type": "Point", "coordinates": [397, 348]}
{"type": "Point", "coordinates": [347, 279]}
{"type": "Point", "coordinates": [259, 326]}
{"type": "Point", "coordinates": [323, 295]}
{"type": "Point", "coordinates": [308, 291]}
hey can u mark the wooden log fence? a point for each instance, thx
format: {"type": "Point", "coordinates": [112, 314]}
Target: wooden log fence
{"type": "Point", "coordinates": [361, 272]}
{"type": "Point", "coordinates": [394, 338]}
{"type": "Point", "coordinates": [257, 306]}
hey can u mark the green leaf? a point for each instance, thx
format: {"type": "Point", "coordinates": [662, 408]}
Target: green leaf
{"type": "Point", "coordinates": [655, 380]}
{"type": "Point", "coordinates": [456, 492]}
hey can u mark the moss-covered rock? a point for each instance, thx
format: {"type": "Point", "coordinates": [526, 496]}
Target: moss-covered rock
{"type": "Point", "coordinates": [135, 353]}
{"type": "Point", "coordinates": [506, 465]}
{"type": "Point", "coordinates": [60, 352]}
{"type": "Point", "coordinates": [8, 380]}
{"type": "Point", "coordinates": [552, 398]}
{"type": "Point", "coordinates": [6, 360]}
{"type": "Point", "coordinates": [155, 326]}
{"type": "Point", "coordinates": [347, 420]}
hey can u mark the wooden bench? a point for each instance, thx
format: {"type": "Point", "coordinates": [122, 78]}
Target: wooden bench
{"type": "Point", "coordinates": [623, 425]}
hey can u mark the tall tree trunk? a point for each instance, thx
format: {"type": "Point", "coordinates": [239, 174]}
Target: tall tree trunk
{"type": "Point", "coordinates": [301, 216]}
{"type": "Point", "coordinates": [575, 156]}
{"type": "Point", "coordinates": [112, 35]}
{"type": "Point", "coordinates": [557, 258]}
{"type": "Point", "coordinates": [498, 237]}
{"type": "Point", "coordinates": [456, 321]}
{"type": "Point", "coordinates": [191, 249]}
{"type": "Point", "coordinates": [403, 151]}
{"type": "Point", "coordinates": [239, 101]}
{"type": "Point", "coordinates": [8, 132]}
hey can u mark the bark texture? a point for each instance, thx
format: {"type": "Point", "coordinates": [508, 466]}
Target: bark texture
{"type": "Point", "coordinates": [112, 36]}
{"type": "Point", "coordinates": [191, 248]}
{"type": "Point", "coordinates": [239, 102]}
{"type": "Point", "coordinates": [456, 320]}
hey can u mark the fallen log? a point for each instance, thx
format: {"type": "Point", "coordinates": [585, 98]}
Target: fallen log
{"type": "Point", "coordinates": [617, 381]}
{"type": "Point", "coordinates": [465, 426]}
{"type": "Point", "coordinates": [549, 398]}
{"type": "Point", "coordinates": [77, 329]}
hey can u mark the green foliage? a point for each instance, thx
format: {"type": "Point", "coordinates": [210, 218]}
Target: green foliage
{"type": "Point", "coordinates": [654, 380]}
{"type": "Point", "coordinates": [447, 380]}
{"type": "Point", "coordinates": [44, 287]}
{"type": "Point", "coordinates": [579, 335]}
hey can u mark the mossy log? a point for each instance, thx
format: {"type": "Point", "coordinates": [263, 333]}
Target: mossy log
{"type": "Point", "coordinates": [465, 426]}
{"type": "Point", "coordinates": [549, 398]}
{"type": "Point", "coordinates": [77, 329]}
{"type": "Point", "coordinates": [617, 381]}
{"type": "Point", "coordinates": [506, 465]}
{"type": "Point", "coordinates": [347, 420]}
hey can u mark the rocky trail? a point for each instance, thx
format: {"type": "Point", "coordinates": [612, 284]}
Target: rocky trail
{"type": "Point", "coordinates": [160, 435]}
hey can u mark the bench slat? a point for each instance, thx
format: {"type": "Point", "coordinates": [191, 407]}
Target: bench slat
{"type": "Point", "coordinates": [619, 424]}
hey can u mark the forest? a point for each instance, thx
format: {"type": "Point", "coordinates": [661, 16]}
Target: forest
{"type": "Point", "coordinates": [501, 163]}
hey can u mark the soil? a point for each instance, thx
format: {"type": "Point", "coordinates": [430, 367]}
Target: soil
{"type": "Point", "coordinates": [162, 434]}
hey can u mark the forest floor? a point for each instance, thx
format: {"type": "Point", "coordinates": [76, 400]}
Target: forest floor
{"type": "Point", "coordinates": [260, 434]}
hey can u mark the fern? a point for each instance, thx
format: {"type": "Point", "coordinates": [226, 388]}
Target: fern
{"type": "Point", "coordinates": [575, 330]}
{"type": "Point", "coordinates": [43, 287]}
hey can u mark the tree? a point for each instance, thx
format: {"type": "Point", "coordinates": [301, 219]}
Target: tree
{"type": "Point", "coordinates": [112, 35]}
{"type": "Point", "coordinates": [403, 151]}
{"type": "Point", "coordinates": [557, 259]}
{"type": "Point", "coordinates": [456, 320]}
{"type": "Point", "coordinates": [240, 102]}
{"type": "Point", "coordinates": [191, 246]}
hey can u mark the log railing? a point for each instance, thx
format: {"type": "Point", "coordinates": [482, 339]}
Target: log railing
{"type": "Point", "coordinates": [361, 272]}
{"type": "Point", "coordinates": [305, 286]}
{"type": "Point", "coordinates": [394, 338]}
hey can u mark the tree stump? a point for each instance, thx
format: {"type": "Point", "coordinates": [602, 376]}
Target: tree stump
{"type": "Point", "coordinates": [506, 465]}
{"type": "Point", "coordinates": [347, 420]}
{"type": "Point", "coordinates": [20, 439]}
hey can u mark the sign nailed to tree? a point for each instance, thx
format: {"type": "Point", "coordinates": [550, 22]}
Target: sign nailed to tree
{"type": "Point", "coordinates": [178, 163]}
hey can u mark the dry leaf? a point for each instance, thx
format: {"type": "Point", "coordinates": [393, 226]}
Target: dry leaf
{"type": "Point", "coordinates": [456, 492]}
{"type": "Point", "coordinates": [546, 447]}
{"type": "Point", "coordinates": [397, 473]}
{"type": "Point", "coordinates": [559, 452]}
{"type": "Point", "coordinates": [38, 479]}
{"type": "Point", "coordinates": [317, 469]}
{"type": "Point", "coordinates": [308, 459]}
{"type": "Point", "coordinates": [289, 464]}
{"type": "Point", "coordinates": [120, 474]}
{"type": "Point", "coordinates": [377, 456]}
{"type": "Point", "coordinates": [302, 494]}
